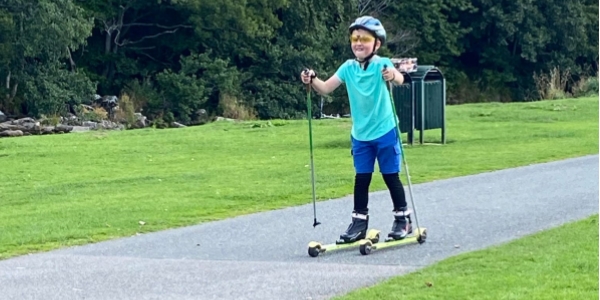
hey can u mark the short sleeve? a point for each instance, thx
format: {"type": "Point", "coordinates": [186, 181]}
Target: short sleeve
{"type": "Point", "coordinates": [341, 72]}
{"type": "Point", "coordinates": [385, 61]}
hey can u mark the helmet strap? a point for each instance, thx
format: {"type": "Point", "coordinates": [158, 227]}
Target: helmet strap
{"type": "Point", "coordinates": [367, 59]}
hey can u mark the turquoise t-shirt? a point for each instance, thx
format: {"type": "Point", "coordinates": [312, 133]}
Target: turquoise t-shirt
{"type": "Point", "coordinates": [370, 107]}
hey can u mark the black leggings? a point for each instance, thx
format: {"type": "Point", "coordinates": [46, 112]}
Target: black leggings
{"type": "Point", "coordinates": [361, 191]}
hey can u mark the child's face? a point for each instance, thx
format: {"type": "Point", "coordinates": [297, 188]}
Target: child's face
{"type": "Point", "coordinates": [362, 43]}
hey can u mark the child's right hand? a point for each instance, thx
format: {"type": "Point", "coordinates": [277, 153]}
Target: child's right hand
{"type": "Point", "coordinates": [307, 76]}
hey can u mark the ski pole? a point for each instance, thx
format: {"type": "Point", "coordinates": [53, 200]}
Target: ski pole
{"type": "Point", "coordinates": [404, 157]}
{"type": "Point", "coordinates": [312, 165]}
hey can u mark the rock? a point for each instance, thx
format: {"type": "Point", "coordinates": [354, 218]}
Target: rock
{"type": "Point", "coordinates": [90, 124]}
{"type": "Point", "coordinates": [224, 119]}
{"type": "Point", "coordinates": [201, 117]}
{"type": "Point", "coordinates": [71, 119]}
{"type": "Point", "coordinates": [25, 125]}
{"type": "Point", "coordinates": [87, 107]}
{"type": "Point", "coordinates": [80, 129]}
{"type": "Point", "coordinates": [29, 126]}
{"type": "Point", "coordinates": [69, 123]}
{"type": "Point", "coordinates": [24, 121]}
{"type": "Point", "coordinates": [7, 126]}
{"type": "Point", "coordinates": [140, 120]}
{"type": "Point", "coordinates": [60, 128]}
{"type": "Point", "coordinates": [100, 125]}
{"type": "Point", "coordinates": [110, 125]}
{"type": "Point", "coordinates": [47, 130]}
{"type": "Point", "coordinates": [33, 128]}
{"type": "Point", "coordinates": [11, 133]}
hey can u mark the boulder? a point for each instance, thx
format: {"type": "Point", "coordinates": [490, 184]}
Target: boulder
{"type": "Point", "coordinates": [11, 133]}
{"type": "Point", "coordinates": [29, 126]}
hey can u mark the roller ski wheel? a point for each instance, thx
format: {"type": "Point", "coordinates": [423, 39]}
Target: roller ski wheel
{"type": "Point", "coordinates": [422, 237]}
{"type": "Point", "coordinates": [373, 236]}
{"type": "Point", "coordinates": [316, 248]}
{"type": "Point", "coordinates": [419, 236]}
{"type": "Point", "coordinates": [365, 247]}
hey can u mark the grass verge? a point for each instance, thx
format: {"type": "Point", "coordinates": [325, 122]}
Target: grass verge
{"type": "Point", "coordinates": [560, 263]}
{"type": "Point", "coordinates": [62, 190]}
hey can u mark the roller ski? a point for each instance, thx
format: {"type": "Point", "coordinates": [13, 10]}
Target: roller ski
{"type": "Point", "coordinates": [357, 232]}
{"type": "Point", "coordinates": [402, 233]}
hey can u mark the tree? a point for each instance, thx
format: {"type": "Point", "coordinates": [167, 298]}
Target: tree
{"type": "Point", "coordinates": [42, 37]}
{"type": "Point", "coordinates": [134, 39]}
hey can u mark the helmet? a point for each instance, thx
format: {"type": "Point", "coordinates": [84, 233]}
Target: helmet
{"type": "Point", "coordinates": [370, 24]}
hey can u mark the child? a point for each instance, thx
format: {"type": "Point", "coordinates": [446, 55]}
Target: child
{"type": "Point", "coordinates": [373, 133]}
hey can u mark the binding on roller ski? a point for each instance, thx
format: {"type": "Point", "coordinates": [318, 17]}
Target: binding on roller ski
{"type": "Point", "coordinates": [316, 248]}
{"type": "Point", "coordinates": [374, 137]}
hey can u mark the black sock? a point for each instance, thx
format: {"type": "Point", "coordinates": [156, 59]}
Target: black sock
{"type": "Point", "coordinates": [396, 190]}
{"type": "Point", "coordinates": [361, 192]}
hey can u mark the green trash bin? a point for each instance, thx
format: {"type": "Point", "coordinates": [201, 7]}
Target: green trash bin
{"type": "Point", "coordinates": [404, 102]}
{"type": "Point", "coordinates": [421, 102]}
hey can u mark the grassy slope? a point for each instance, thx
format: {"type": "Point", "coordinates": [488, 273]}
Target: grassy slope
{"type": "Point", "coordinates": [77, 188]}
{"type": "Point", "coordinates": [561, 263]}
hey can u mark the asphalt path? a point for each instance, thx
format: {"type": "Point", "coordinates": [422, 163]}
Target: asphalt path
{"type": "Point", "coordinates": [264, 256]}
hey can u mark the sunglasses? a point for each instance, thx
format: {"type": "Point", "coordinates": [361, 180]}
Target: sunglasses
{"type": "Point", "coordinates": [363, 39]}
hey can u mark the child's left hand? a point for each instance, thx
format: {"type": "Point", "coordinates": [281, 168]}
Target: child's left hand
{"type": "Point", "coordinates": [388, 74]}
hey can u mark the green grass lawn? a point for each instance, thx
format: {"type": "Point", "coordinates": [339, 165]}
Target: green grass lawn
{"type": "Point", "coordinates": [62, 190]}
{"type": "Point", "coordinates": [560, 263]}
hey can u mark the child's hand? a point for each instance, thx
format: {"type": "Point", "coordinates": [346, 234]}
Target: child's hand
{"type": "Point", "coordinates": [307, 75]}
{"type": "Point", "coordinates": [388, 74]}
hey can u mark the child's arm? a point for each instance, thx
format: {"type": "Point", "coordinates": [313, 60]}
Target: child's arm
{"type": "Point", "coordinates": [326, 87]}
{"type": "Point", "coordinates": [398, 79]}
{"type": "Point", "coordinates": [322, 87]}
{"type": "Point", "coordinates": [392, 74]}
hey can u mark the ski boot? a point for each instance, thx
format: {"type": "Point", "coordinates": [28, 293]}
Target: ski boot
{"type": "Point", "coordinates": [402, 224]}
{"type": "Point", "coordinates": [357, 230]}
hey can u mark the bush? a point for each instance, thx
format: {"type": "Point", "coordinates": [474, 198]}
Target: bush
{"type": "Point", "coordinates": [98, 114]}
{"type": "Point", "coordinates": [233, 109]}
{"type": "Point", "coordinates": [586, 87]}
{"type": "Point", "coordinates": [553, 85]}
{"type": "Point", "coordinates": [126, 111]}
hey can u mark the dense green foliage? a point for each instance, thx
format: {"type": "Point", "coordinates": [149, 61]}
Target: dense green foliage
{"type": "Point", "coordinates": [242, 58]}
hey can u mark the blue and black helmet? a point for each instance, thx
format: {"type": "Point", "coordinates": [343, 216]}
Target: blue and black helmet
{"type": "Point", "coordinates": [370, 24]}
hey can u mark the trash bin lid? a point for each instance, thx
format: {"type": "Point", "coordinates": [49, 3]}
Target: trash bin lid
{"type": "Point", "coordinates": [423, 71]}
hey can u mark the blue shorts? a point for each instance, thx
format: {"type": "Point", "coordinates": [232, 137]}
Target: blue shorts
{"type": "Point", "coordinates": [385, 149]}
